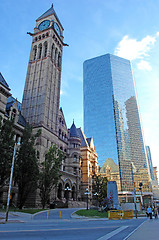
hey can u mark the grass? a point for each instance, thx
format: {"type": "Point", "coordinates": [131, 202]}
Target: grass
{"type": "Point", "coordinates": [92, 213]}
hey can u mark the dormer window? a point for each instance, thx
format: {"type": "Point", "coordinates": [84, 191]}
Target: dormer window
{"type": "Point", "coordinates": [13, 114]}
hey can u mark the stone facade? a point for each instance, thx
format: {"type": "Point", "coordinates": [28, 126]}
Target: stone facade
{"type": "Point", "coordinates": [40, 108]}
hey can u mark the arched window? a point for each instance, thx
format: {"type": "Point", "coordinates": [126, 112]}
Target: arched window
{"type": "Point", "coordinates": [45, 49]}
{"type": "Point", "coordinates": [52, 51]}
{"type": "Point", "coordinates": [34, 52]}
{"type": "Point", "coordinates": [56, 55]}
{"type": "Point", "coordinates": [59, 60]}
{"type": "Point", "coordinates": [40, 50]}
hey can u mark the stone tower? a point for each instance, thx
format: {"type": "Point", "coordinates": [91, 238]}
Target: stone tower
{"type": "Point", "coordinates": [40, 104]}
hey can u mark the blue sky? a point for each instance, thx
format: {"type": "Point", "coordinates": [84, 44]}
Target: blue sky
{"type": "Point", "coordinates": [127, 28]}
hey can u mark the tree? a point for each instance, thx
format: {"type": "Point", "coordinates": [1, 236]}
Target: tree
{"type": "Point", "coordinates": [100, 186]}
{"type": "Point", "coordinates": [26, 166]}
{"type": "Point", "coordinates": [6, 149]}
{"type": "Point", "coordinates": [50, 173]}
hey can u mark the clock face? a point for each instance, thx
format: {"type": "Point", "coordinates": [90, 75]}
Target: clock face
{"type": "Point", "coordinates": [43, 25]}
{"type": "Point", "coordinates": [57, 29]}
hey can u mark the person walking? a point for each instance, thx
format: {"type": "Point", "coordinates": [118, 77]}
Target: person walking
{"type": "Point", "coordinates": [149, 211]}
{"type": "Point", "coordinates": [155, 212]}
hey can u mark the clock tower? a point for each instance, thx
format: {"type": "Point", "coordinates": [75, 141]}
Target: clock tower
{"type": "Point", "coordinates": [40, 104]}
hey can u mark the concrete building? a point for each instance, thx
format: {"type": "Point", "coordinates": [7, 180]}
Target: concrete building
{"type": "Point", "coordinates": [112, 118]}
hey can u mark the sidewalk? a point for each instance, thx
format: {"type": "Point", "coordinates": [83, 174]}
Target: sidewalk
{"type": "Point", "coordinates": [15, 217]}
{"type": "Point", "coordinates": [148, 230]}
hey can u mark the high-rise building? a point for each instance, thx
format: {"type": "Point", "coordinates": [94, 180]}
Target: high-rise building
{"type": "Point", "coordinates": [112, 118]}
{"type": "Point", "coordinates": [148, 151]}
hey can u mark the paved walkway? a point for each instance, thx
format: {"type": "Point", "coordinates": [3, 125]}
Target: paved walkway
{"type": "Point", "coordinates": [149, 230]}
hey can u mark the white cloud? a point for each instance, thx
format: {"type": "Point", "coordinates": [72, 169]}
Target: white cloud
{"type": "Point", "coordinates": [144, 65]}
{"type": "Point", "coordinates": [132, 49]}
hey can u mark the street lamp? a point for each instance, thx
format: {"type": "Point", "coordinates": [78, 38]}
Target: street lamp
{"type": "Point", "coordinates": [11, 178]}
{"type": "Point", "coordinates": [87, 193]}
{"type": "Point", "coordinates": [96, 194]}
{"type": "Point", "coordinates": [140, 188]}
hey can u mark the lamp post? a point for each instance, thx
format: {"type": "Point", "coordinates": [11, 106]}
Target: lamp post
{"type": "Point", "coordinates": [134, 190]}
{"type": "Point", "coordinates": [11, 178]}
{"type": "Point", "coordinates": [140, 188]}
{"type": "Point", "coordinates": [87, 193]}
{"type": "Point", "coordinates": [96, 194]}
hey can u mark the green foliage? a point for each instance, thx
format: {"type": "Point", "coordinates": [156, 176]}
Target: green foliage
{"type": "Point", "coordinates": [26, 165]}
{"type": "Point", "coordinates": [91, 213]}
{"type": "Point", "coordinates": [50, 173]}
{"type": "Point", "coordinates": [6, 149]}
{"type": "Point", "coordinates": [100, 186]}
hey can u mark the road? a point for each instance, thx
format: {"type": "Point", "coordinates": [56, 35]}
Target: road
{"type": "Point", "coordinates": [67, 228]}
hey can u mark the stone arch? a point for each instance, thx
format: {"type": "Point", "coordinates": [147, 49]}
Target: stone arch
{"type": "Point", "coordinates": [74, 190]}
{"type": "Point", "coordinates": [67, 189]}
{"type": "Point", "coordinates": [60, 190]}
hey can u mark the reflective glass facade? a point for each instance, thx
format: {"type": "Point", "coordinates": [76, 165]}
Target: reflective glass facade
{"type": "Point", "coordinates": [148, 151]}
{"type": "Point", "coordinates": [111, 114]}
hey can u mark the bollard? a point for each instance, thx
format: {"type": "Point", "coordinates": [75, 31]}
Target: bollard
{"type": "Point", "coordinates": [60, 214]}
{"type": "Point", "coordinates": [47, 214]}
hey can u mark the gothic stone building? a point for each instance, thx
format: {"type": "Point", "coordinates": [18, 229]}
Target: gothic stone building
{"type": "Point", "coordinates": [41, 108]}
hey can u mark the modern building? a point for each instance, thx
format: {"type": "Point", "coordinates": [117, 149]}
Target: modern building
{"type": "Point", "coordinates": [148, 151]}
{"type": "Point", "coordinates": [111, 116]}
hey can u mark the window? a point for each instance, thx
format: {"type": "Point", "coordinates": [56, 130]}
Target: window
{"type": "Point", "coordinates": [75, 170]}
{"type": "Point", "coordinates": [56, 55]}
{"type": "Point", "coordinates": [45, 49]}
{"type": "Point", "coordinates": [34, 52]}
{"type": "Point", "coordinates": [59, 60]}
{"type": "Point", "coordinates": [52, 52]}
{"type": "Point", "coordinates": [40, 51]}
{"type": "Point", "coordinates": [75, 158]}
{"type": "Point", "coordinates": [13, 114]}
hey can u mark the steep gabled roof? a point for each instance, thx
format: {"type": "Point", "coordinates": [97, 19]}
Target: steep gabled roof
{"type": "Point", "coordinates": [84, 142]}
{"type": "Point", "coordinates": [10, 102]}
{"type": "Point", "coordinates": [3, 81]}
{"type": "Point", "coordinates": [49, 12]}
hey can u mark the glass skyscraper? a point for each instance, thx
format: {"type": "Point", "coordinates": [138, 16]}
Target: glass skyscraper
{"type": "Point", "coordinates": [148, 151]}
{"type": "Point", "coordinates": [111, 115]}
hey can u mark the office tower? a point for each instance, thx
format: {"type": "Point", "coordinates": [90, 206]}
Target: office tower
{"type": "Point", "coordinates": [148, 151]}
{"type": "Point", "coordinates": [111, 117]}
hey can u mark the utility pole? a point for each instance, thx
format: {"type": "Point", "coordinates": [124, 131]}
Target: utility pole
{"type": "Point", "coordinates": [10, 183]}
{"type": "Point", "coordinates": [134, 190]}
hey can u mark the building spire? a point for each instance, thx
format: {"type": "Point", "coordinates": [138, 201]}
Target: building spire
{"type": "Point", "coordinates": [52, 5]}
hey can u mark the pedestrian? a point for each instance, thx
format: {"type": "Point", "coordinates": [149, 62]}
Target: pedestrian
{"type": "Point", "coordinates": [149, 211]}
{"type": "Point", "coordinates": [155, 212]}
